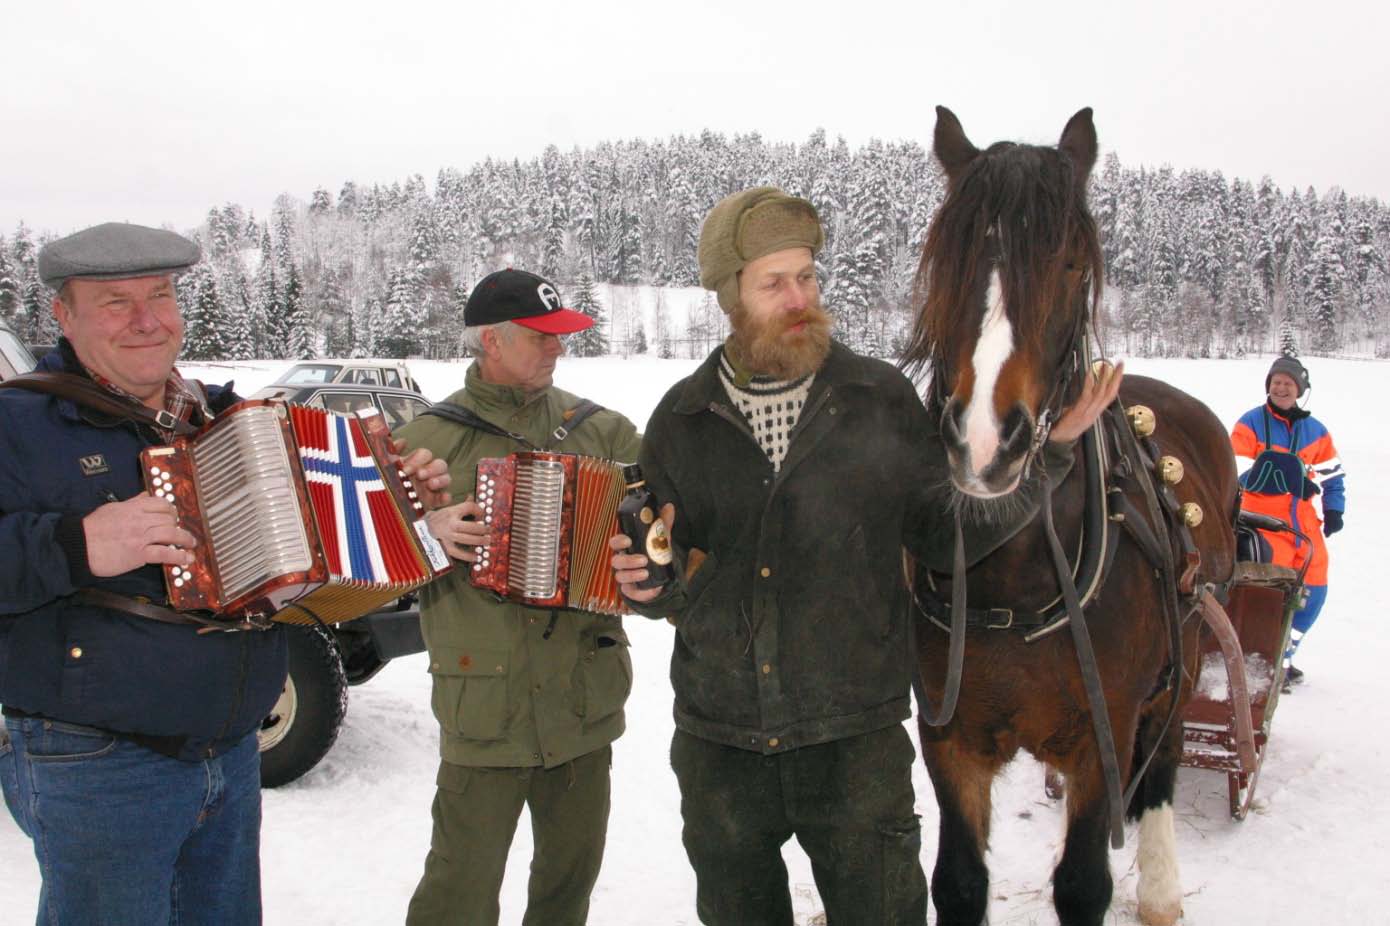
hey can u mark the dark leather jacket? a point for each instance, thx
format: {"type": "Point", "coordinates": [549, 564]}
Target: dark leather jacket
{"type": "Point", "coordinates": [793, 630]}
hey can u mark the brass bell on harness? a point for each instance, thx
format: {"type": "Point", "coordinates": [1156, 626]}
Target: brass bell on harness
{"type": "Point", "coordinates": [1170, 470]}
{"type": "Point", "coordinates": [1191, 514]}
{"type": "Point", "coordinates": [1141, 419]}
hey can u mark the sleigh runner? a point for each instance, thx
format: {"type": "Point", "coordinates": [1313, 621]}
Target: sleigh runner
{"type": "Point", "coordinates": [1226, 723]}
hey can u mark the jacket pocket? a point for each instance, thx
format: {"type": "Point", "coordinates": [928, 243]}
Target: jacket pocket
{"type": "Point", "coordinates": [697, 604]}
{"type": "Point", "coordinates": [602, 673]}
{"type": "Point", "coordinates": [470, 692]}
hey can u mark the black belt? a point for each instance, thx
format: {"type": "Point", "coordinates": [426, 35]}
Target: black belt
{"type": "Point", "coordinates": [170, 746]}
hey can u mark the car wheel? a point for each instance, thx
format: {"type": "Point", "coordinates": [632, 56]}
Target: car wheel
{"type": "Point", "coordinates": [301, 727]}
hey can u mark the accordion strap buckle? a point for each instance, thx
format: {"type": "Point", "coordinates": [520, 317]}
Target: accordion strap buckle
{"type": "Point", "coordinates": [163, 419]}
{"type": "Point", "coordinates": [560, 433]}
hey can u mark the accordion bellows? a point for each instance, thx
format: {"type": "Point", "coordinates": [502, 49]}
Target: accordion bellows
{"type": "Point", "coordinates": [300, 515]}
{"type": "Point", "coordinates": [550, 515]}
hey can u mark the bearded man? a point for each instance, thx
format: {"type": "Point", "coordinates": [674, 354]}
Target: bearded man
{"type": "Point", "coordinates": [796, 471]}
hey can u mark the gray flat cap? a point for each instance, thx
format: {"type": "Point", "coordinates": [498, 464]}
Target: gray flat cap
{"type": "Point", "coordinates": [115, 251]}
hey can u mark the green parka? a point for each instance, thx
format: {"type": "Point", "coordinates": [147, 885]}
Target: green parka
{"type": "Point", "coordinates": [516, 685]}
{"type": "Point", "coordinates": [793, 629]}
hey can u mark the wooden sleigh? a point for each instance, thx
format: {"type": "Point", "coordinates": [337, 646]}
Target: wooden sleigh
{"type": "Point", "coordinates": [1226, 723]}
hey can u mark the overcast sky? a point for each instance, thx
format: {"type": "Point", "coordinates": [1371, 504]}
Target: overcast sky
{"type": "Point", "coordinates": [153, 112]}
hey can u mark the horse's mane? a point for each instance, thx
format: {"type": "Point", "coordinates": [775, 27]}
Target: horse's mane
{"type": "Point", "coordinates": [1029, 195]}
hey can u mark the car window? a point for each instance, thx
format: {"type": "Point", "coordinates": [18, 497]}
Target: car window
{"type": "Point", "coordinates": [14, 356]}
{"type": "Point", "coordinates": [400, 409]}
{"type": "Point", "coordinates": [367, 377]}
{"type": "Point", "coordinates": [392, 378]}
{"type": "Point", "coordinates": [343, 402]}
{"type": "Point", "coordinates": [307, 374]}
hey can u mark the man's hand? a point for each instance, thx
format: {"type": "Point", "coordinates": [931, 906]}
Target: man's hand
{"type": "Point", "coordinates": [460, 529]}
{"type": "Point", "coordinates": [430, 475]}
{"type": "Point", "coordinates": [1097, 393]}
{"type": "Point", "coordinates": [631, 568]}
{"type": "Point", "coordinates": [122, 536]}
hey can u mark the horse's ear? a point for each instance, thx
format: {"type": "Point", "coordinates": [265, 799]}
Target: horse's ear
{"type": "Point", "coordinates": [1079, 143]}
{"type": "Point", "coordinates": [952, 148]}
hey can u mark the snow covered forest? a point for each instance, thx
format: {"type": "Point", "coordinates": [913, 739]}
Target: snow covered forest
{"type": "Point", "coordinates": [1196, 265]}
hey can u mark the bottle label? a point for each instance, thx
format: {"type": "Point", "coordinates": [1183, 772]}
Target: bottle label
{"type": "Point", "coordinates": [658, 543]}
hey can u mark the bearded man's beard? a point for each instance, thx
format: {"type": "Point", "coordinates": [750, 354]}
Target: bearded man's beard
{"type": "Point", "coordinates": [769, 348]}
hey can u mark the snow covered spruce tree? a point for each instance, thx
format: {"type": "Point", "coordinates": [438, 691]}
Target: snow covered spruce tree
{"type": "Point", "coordinates": [591, 342]}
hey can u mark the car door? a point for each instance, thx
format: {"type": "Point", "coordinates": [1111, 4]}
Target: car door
{"type": "Point", "coordinates": [400, 409]}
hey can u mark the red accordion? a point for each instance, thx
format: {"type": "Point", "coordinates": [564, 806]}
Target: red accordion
{"type": "Point", "coordinates": [300, 515]}
{"type": "Point", "coordinates": [551, 515]}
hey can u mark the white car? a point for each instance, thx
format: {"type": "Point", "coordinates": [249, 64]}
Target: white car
{"type": "Point", "coordinates": [359, 372]}
{"type": "Point", "coordinates": [14, 356]}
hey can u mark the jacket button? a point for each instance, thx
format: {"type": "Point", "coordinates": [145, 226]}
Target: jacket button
{"type": "Point", "coordinates": [75, 652]}
{"type": "Point", "coordinates": [773, 742]}
{"type": "Point", "coordinates": [499, 670]}
{"type": "Point", "coordinates": [765, 572]}
{"type": "Point", "coordinates": [767, 669]}
{"type": "Point", "coordinates": [434, 667]}
{"type": "Point", "coordinates": [832, 409]}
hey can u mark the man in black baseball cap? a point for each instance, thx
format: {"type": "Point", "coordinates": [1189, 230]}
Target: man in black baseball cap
{"type": "Point", "coordinates": [545, 687]}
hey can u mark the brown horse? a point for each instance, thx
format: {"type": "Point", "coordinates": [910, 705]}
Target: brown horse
{"type": "Point", "coordinates": [1009, 276]}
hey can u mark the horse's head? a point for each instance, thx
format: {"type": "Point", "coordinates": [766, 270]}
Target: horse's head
{"type": "Point", "coordinates": [1011, 262]}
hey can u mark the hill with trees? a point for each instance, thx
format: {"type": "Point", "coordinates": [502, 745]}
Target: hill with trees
{"type": "Point", "coordinates": [1196, 265]}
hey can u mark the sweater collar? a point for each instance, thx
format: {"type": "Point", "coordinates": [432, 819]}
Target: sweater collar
{"type": "Point", "coordinates": [842, 367]}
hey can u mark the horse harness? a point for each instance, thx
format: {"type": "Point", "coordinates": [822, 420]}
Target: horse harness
{"type": "Point", "coordinates": [1158, 530]}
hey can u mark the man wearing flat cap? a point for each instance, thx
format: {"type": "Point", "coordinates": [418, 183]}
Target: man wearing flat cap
{"type": "Point", "coordinates": [528, 699]}
{"type": "Point", "coordinates": [796, 472]}
{"type": "Point", "coordinates": [131, 757]}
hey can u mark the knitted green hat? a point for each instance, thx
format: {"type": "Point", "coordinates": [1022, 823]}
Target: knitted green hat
{"type": "Point", "coordinates": [745, 226]}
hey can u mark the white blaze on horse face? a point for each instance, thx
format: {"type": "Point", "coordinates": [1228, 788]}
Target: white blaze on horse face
{"type": "Point", "coordinates": [1159, 890]}
{"type": "Point", "coordinates": [993, 348]}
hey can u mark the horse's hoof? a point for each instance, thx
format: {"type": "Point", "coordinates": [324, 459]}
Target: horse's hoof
{"type": "Point", "coordinates": [1160, 914]}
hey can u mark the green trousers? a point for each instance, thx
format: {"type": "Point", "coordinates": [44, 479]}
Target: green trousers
{"type": "Point", "coordinates": [475, 816]}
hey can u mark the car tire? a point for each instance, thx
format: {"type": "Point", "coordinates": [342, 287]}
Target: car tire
{"type": "Point", "coordinates": [302, 726]}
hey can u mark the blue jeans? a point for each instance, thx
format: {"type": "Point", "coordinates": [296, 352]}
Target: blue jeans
{"type": "Point", "coordinates": [124, 835]}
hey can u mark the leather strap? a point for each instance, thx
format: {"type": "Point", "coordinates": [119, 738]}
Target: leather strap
{"type": "Point", "coordinates": [459, 414]}
{"type": "Point", "coordinates": [86, 393]}
{"type": "Point", "coordinates": [116, 602]}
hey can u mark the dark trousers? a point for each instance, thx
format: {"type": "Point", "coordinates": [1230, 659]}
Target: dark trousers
{"type": "Point", "coordinates": [475, 816]}
{"type": "Point", "coordinates": [848, 803]}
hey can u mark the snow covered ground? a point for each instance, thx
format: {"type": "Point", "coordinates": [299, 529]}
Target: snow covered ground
{"type": "Point", "coordinates": [345, 844]}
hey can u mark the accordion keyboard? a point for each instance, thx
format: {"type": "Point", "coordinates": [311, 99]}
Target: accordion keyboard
{"type": "Point", "coordinates": [537, 502]}
{"type": "Point", "coordinates": [253, 522]}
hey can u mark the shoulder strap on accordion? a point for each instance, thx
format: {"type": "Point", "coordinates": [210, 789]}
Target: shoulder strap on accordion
{"type": "Point", "coordinates": [574, 418]}
{"type": "Point", "coordinates": [87, 393]}
{"type": "Point", "coordinates": [452, 411]}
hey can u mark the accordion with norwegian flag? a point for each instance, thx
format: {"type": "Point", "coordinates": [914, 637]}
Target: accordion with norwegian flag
{"type": "Point", "coordinates": [300, 514]}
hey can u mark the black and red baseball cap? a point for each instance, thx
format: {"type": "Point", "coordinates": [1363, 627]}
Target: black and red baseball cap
{"type": "Point", "coordinates": [517, 296]}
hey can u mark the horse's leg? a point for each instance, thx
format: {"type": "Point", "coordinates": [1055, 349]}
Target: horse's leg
{"type": "Point", "coordinates": [1160, 888]}
{"type": "Point", "coordinates": [962, 781]}
{"type": "Point", "coordinates": [1081, 882]}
